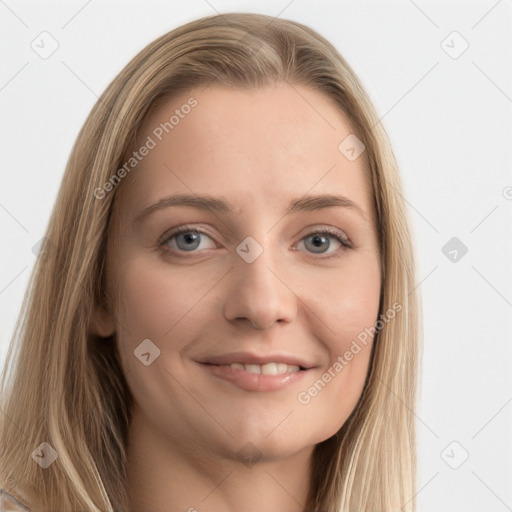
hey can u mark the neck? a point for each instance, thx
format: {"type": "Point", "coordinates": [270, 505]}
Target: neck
{"type": "Point", "coordinates": [168, 476]}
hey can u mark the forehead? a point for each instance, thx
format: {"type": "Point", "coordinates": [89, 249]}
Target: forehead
{"type": "Point", "coordinates": [266, 146]}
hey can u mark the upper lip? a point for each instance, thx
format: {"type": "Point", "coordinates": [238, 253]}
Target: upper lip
{"type": "Point", "coordinates": [250, 358]}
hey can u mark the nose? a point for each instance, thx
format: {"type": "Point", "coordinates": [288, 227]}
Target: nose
{"type": "Point", "coordinates": [259, 294]}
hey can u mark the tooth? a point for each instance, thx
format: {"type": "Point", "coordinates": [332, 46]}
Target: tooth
{"type": "Point", "coordinates": [252, 368]}
{"type": "Point", "coordinates": [281, 368]}
{"type": "Point", "coordinates": [269, 369]}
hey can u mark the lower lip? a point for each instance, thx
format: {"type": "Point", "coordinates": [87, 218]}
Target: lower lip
{"type": "Point", "coordinates": [254, 381]}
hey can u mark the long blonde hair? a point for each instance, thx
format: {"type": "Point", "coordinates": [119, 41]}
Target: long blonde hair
{"type": "Point", "coordinates": [64, 386]}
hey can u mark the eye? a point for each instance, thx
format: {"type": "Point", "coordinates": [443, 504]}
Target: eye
{"type": "Point", "coordinates": [319, 242]}
{"type": "Point", "coordinates": [188, 239]}
{"type": "Point", "coordinates": [185, 239]}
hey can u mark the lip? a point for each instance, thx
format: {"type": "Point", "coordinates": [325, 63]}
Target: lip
{"type": "Point", "coordinates": [254, 381]}
{"type": "Point", "coordinates": [250, 358]}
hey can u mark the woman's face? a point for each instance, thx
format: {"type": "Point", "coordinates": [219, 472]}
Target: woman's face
{"type": "Point", "coordinates": [254, 278]}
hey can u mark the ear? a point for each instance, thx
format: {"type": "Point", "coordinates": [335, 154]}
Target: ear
{"type": "Point", "coordinates": [102, 323]}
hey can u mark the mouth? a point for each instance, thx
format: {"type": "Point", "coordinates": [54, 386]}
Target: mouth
{"type": "Point", "coordinates": [271, 368]}
{"type": "Point", "coordinates": [271, 376]}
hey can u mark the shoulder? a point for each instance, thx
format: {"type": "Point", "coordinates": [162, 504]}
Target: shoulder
{"type": "Point", "coordinates": [8, 503]}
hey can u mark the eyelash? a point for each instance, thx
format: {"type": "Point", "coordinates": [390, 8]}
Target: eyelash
{"type": "Point", "coordinates": [345, 243]}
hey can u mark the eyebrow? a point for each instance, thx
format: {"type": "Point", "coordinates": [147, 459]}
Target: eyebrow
{"type": "Point", "coordinates": [221, 205]}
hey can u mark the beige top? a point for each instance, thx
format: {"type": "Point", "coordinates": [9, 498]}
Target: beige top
{"type": "Point", "coordinates": [8, 503]}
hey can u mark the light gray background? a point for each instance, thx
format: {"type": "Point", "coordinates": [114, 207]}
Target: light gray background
{"type": "Point", "coordinates": [450, 122]}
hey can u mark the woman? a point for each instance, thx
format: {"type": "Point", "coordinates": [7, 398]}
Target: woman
{"type": "Point", "coordinates": [186, 342]}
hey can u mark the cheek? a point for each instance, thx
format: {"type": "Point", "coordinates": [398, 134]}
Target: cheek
{"type": "Point", "coordinates": [155, 300]}
{"type": "Point", "coordinates": [353, 308]}
{"type": "Point", "coordinates": [345, 300]}
{"type": "Point", "coordinates": [158, 304]}
{"type": "Point", "coordinates": [346, 306]}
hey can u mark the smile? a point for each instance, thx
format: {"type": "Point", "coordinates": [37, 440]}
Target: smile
{"type": "Point", "coordinates": [266, 369]}
{"type": "Point", "coordinates": [257, 377]}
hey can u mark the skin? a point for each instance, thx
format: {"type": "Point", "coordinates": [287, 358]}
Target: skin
{"type": "Point", "coordinates": [258, 149]}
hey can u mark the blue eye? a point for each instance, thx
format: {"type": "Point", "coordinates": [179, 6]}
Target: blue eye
{"type": "Point", "coordinates": [187, 239]}
{"type": "Point", "coordinates": [319, 242]}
